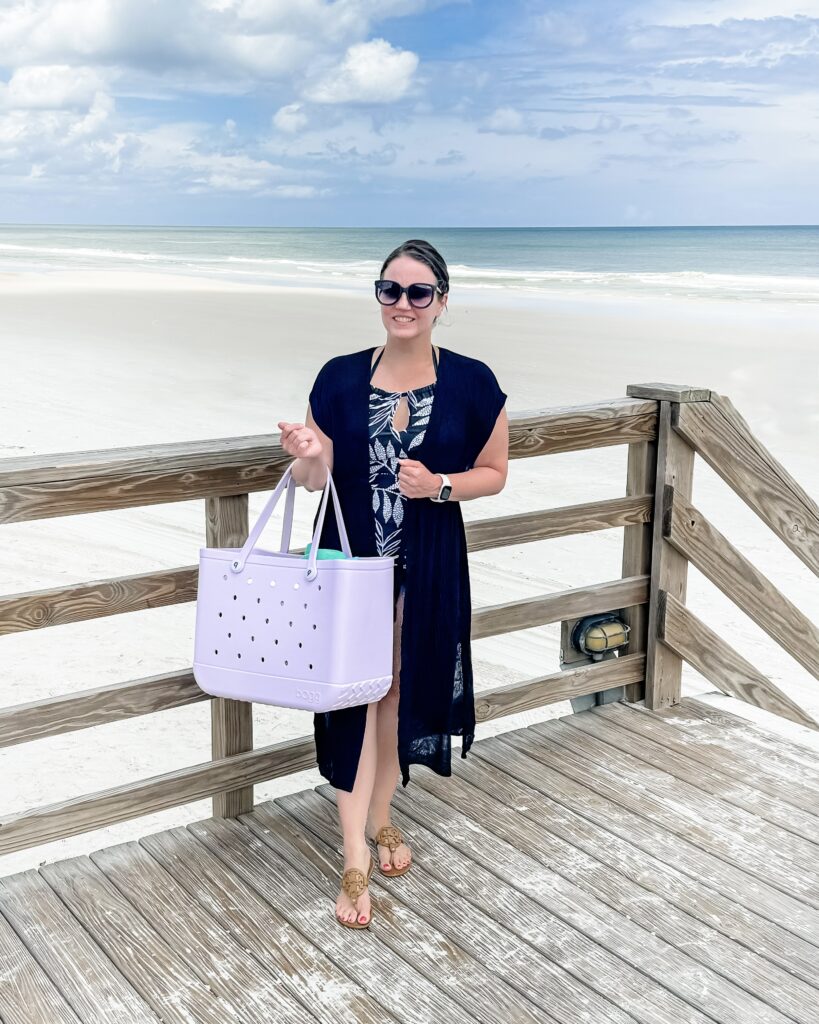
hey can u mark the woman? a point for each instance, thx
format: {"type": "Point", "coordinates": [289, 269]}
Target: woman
{"type": "Point", "coordinates": [437, 434]}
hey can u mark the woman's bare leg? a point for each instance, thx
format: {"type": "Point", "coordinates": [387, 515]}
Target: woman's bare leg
{"type": "Point", "coordinates": [352, 812]}
{"type": "Point", "coordinates": [388, 769]}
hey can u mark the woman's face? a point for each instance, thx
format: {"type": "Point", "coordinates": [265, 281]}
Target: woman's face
{"type": "Point", "coordinates": [406, 271]}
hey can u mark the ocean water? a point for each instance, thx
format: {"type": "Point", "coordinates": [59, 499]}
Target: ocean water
{"type": "Point", "coordinates": [756, 264]}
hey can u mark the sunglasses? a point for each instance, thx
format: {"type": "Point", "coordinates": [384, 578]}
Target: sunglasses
{"type": "Point", "coordinates": [418, 295]}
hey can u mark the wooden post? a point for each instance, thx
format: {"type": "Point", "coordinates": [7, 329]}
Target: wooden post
{"type": "Point", "coordinates": [641, 473]}
{"type": "Point", "coordinates": [231, 721]}
{"type": "Point", "coordinates": [668, 568]}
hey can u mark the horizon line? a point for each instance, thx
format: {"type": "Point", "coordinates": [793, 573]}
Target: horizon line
{"type": "Point", "coordinates": [391, 227]}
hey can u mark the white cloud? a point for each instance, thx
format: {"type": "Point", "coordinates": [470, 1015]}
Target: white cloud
{"type": "Point", "coordinates": [372, 72]}
{"type": "Point", "coordinates": [39, 31]}
{"type": "Point", "coordinates": [297, 191]}
{"type": "Point", "coordinates": [206, 45]}
{"type": "Point", "coordinates": [59, 136]}
{"type": "Point", "coordinates": [562, 29]}
{"type": "Point", "coordinates": [290, 118]}
{"type": "Point", "coordinates": [713, 12]}
{"type": "Point", "coordinates": [92, 123]}
{"type": "Point", "coordinates": [768, 55]}
{"type": "Point", "coordinates": [505, 120]}
{"type": "Point", "coordinates": [175, 152]}
{"type": "Point", "coordinates": [270, 56]}
{"type": "Point", "coordinates": [51, 87]}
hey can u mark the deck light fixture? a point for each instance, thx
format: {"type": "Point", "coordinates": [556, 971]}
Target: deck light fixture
{"type": "Point", "coordinates": [600, 635]}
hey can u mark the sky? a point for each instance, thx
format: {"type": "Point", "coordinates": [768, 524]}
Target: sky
{"type": "Point", "coordinates": [397, 112]}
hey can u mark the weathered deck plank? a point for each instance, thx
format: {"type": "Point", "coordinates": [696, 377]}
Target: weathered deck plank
{"type": "Point", "coordinates": [706, 889]}
{"type": "Point", "coordinates": [771, 854]}
{"type": "Point", "coordinates": [746, 738]}
{"type": "Point", "coordinates": [619, 866]}
{"type": "Point", "coordinates": [635, 850]}
{"type": "Point", "coordinates": [787, 787]}
{"type": "Point", "coordinates": [28, 993]}
{"type": "Point", "coordinates": [706, 774]}
{"type": "Point", "coordinates": [84, 975]}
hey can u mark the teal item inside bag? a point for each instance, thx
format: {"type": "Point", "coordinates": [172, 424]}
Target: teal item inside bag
{"type": "Point", "coordinates": [325, 553]}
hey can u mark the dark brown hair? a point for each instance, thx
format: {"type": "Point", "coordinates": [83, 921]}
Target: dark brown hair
{"type": "Point", "coordinates": [418, 249]}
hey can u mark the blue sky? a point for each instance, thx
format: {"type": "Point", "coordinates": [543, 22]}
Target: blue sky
{"type": "Point", "coordinates": [392, 112]}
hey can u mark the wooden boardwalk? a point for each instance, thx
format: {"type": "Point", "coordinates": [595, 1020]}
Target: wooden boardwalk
{"type": "Point", "coordinates": [617, 865]}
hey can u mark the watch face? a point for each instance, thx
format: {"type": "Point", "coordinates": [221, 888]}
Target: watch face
{"type": "Point", "coordinates": [445, 492]}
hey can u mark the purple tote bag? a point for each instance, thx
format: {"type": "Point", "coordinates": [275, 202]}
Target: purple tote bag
{"type": "Point", "coordinates": [278, 628]}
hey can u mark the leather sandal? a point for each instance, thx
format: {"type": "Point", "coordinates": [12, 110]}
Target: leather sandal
{"type": "Point", "coordinates": [354, 882]}
{"type": "Point", "coordinates": [390, 835]}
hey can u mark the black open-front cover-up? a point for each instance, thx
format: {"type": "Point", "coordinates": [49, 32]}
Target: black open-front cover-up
{"type": "Point", "coordinates": [436, 697]}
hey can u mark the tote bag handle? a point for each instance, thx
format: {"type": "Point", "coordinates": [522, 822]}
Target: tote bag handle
{"type": "Point", "coordinates": [238, 564]}
{"type": "Point", "coordinates": [287, 522]}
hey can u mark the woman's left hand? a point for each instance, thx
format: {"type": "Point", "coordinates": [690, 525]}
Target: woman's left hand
{"type": "Point", "coordinates": [416, 481]}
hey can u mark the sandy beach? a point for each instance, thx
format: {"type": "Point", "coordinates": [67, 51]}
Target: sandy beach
{"type": "Point", "coordinates": [95, 360]}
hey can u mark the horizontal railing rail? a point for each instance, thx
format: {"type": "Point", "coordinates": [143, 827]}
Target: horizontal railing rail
{"type": "Point", "coordinates": [57, 606]}
{"type": "Point", "coordinates": [116, 702]}
{"type": "Point", "coordinates": [48, 486]}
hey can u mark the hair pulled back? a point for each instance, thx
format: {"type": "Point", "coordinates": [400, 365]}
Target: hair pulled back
{"type": "Point", "coordinates": [421, 250]}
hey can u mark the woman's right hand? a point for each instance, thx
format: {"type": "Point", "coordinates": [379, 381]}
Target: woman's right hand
{"type": "Point", "coordinates": [299, 441]}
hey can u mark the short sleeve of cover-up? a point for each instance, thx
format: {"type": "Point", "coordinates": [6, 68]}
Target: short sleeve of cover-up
{"type": "Point", "coordinates": [320, 400]}
{"type": "Point", "coordinates": [495, 398]}
{"type": "Point", "coordinates": [489, 399]}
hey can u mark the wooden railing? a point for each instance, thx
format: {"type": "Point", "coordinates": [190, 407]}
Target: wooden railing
{"type": "Point", "coordinates": [661, 424]}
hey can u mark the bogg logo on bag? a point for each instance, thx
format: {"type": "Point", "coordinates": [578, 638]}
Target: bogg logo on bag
{"type": "Point", "coordinates": [311, 695]}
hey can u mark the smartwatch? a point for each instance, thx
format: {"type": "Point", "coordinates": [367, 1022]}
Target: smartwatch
{"type": "Point", "coordinates": [445, 490]}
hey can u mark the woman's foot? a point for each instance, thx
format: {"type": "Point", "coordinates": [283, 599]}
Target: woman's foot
{"type": "Point", "coordinates": [358, 910]}
{"type": "Point", "coordinates": [397, 858]}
